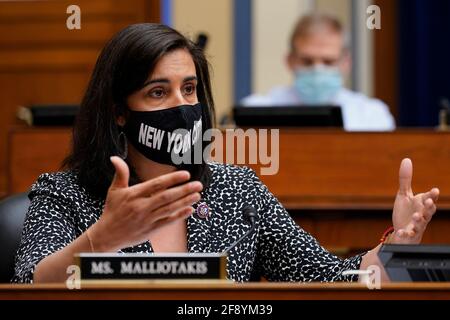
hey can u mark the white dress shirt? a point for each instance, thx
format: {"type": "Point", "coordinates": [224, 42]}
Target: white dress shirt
{"type": "Point", "coordinates": [359, 112]}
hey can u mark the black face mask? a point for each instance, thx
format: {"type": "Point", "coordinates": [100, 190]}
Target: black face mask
{"type": "Point", "coordinates": [171, 136]}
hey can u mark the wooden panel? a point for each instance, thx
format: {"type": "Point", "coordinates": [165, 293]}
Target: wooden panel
{"type": "Point", "coordinates": [339, 170]}
{"type": "Point", "coordinates": [33, 88]}
{"type": "Point", "coordinates": [42, 62]}
{"type": "Point", "coordinates": [28, 157]}
{"type": "Point", "coordinates": [44, 22]}
{"type": "Point", "coordinates": [348, 166]}
{"type": "Point", "coordinates": [39, 34]}
{"type": "Point", "coordinates": [18, 11]}
{"type": "Point", "coordinates": [26, 61]}
{"type": "Point", "coordinates": [385, 56]}
{"type": "Point", "coordinates": [214, 290]}
{"type": "Point", "coordinates": [359, 231]}
{"type": "Point", "coordinates": [336, 169]}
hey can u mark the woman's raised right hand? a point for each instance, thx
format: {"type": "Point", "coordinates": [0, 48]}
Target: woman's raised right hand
{"type": "Point", "coordinates": [132, 213]}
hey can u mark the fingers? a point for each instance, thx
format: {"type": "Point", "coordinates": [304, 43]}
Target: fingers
{"type": "Point", "coordinates": [410, 235]}
{"type": "Point", "coordinates": [173, 207]}
{"type": "Point", "coordinates": [414, 231]}
{"type": "Point", "coordinates": [429, 209]}
{"type": "Point", "coordinates": [147, 188]}
{"type": "Point", "coordinates": [173, 194]}
{"type": "Point", "coordinates": [404, 235]}
{"type": "Point", "coordinates": [121, 175]}
{"type": "Point", "coordinates": [418, 224]}
{"type": "Point", "coordinates": [421, 219]}
{"type": "Point", "coordinates": [405, 176]}
{"type": "Point", "coordinates": [433, 194]}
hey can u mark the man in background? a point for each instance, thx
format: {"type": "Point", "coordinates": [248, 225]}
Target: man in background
{"type": "Point", "coordinates": [319, 59]}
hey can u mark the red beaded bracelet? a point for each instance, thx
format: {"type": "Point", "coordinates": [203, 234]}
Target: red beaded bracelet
{"type": "Point", "coordinates": [386, 234]}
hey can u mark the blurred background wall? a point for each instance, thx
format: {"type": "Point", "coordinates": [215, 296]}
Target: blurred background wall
{"type": "Point", "coordinates": [401, 52]}
{"type": "Point", "coordinates": [213, 18]}
{"type": "Point", "coordinates": [249, 40]}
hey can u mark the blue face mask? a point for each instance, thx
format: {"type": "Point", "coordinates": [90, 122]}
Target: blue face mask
{"type": "Point", "coordinates": [318, 85]}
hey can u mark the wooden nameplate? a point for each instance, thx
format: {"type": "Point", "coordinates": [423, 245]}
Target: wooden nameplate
{"type": "Point", "coordinates": [116, 266]}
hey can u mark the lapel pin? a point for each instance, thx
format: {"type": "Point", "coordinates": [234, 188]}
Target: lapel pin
{"type": "Point", "coordinates": [203, 211]}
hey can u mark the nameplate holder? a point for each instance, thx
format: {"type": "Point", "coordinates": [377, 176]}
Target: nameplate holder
{"type": "Point", "coordinates": [140, 266]}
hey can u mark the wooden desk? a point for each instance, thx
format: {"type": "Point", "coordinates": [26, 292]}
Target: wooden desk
{"type": "Point", "coordinates": [329, 169]}
{"type": "Point", "coordinates": [318, 169]}
{"type": "Point", "coordinates": [336, 184]}
{"type": "Point", "coordinates": [229, 291]}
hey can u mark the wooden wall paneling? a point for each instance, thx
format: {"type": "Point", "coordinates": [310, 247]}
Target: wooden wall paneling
{"type": "Point", "coordinates": [360, 231]}
{"type": "Point", "coordinates": [42, 62]}
{"type": "Point", "coordinates": [43, 161]}
{"type": "Point", "coordinates": [336, 169]}
{"type": "Point", "coordinates": [386, 56]}
{"type": "Point", "coordinates": [338, 228]}
{"type": "Point", "coordinates": [347, 171]}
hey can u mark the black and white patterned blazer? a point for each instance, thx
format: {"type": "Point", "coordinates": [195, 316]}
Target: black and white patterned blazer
{"type": "Point", "coordinates": [278, 250]}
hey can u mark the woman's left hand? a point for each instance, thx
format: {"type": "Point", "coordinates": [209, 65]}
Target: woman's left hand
{"type": "Point", "coordinates": [412, 213]}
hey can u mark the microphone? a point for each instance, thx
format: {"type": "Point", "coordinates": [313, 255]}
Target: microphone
{"type": "Point", "coordinates": [250, 215]}
{"type": "Point", "coordinates": [202, 40]}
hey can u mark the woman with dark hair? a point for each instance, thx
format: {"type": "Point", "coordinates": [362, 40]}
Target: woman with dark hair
{"type": "Point", "coordinates": [149, 83]}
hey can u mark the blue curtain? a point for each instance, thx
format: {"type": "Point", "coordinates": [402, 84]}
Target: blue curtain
{"type": "Point", "coordinates": [424, 60]}
{"type": "Point", "coordinates": [242, 49]}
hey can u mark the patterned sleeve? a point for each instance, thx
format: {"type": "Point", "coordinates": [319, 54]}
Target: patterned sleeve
{"type": "Point", "coordinates": [48, 227]}
{"type": "Point", "coordinates": [288, 253]}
